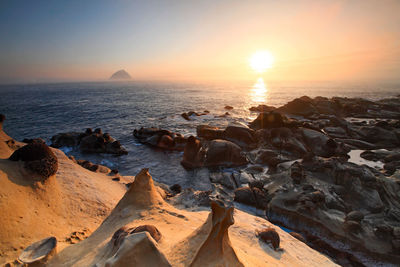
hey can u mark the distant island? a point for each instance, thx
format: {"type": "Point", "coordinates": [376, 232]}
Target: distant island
{"type": "Point", "coordinates": [121, 75]}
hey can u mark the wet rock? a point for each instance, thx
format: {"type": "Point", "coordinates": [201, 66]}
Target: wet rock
{"type": "Point", "coordinates": [176, 188]}
{"type": "Point", "coordinates": [89, 142]}
{"type": "Point", "coordinates": [268, 120]}
{"type": "Point", "coordinates": [392, 166]}
{"type": "Point", "coordinates": [252, 196]}
{"type": "Point", "coordinates": [163, 139]}
{"type": "Point", "coordinates": [357, 143]}
{"type": "Point", "coordinates": [240, 135]}
{"type": "Point", "coordinates": [193, 154]}
{"type": "Point", "coordinates": [191, 198]}
{"type": "Point", "coordinates": [34, 140]}
{"type": "Point", "coordinates": [224, 153]}
{"type": "Point", "coordinates": [270, 157]}
{"type": "Point", "coordinates": [209, 132]}
{"type": "Point", "coordinates": [302, 106]}
{"type": "Point", "coordinates": [262, 108]}
{"type": "Point", "coordinates": [316, 141]}
{"type": "Point", "coordinates": [352, 226]}
{"type": "Point", "coordinates": [66, 139]}
{"type": "Point", "coordinates": [39, 252]}
{"type": "Point", "coordinates": [380, 137]}
{"type": "Point", "coordinates": [185, 116]}
{"type": "Point", "coordinates": [270, 235]}
{"type": "Point", "coordinates": [355, 215]}
{"type": "Point", "coordinates": [37, 158]}
{"type": "Point", "coordinates": [246, 196]}
{"type": "Point", "coordinates": [254, 169]}
{"type": "Point", "coordinates": [392, 157]}
{"type": "Point", "coordinates": [335, 132]}
{"type": "Point", "coordinates": [297, 173]}
{"type": "Point", "coordinates": [93, 167]}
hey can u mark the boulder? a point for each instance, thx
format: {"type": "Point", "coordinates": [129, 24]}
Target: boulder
{"type": "Point", "coordinates": [160, 138]}
{"type": "Point", "coordinates": [209, 132]}
{"type": "Point", "coordinates": [270, 235]}
{"type": "Point", "coordinates": [89, 142]}
{"type": "Point", "coordinates": [224, 153]}
{"type": "Point", "coordinates": [355, 215]}
{"type": "Point", "coordinates": [37, 158]}
{"type": "Point", "coordinates": [39, 252]}
{"type": "Point", "coordinates": [262, 108]}
{"type": "Point", "coordinates": [240, 135]}
{"type": "Point", "coordinates": [193, 154]}
{"type": "Point", "coordinates": [302, 106]}
{"type": "Point", "coordinates": [268, 120]}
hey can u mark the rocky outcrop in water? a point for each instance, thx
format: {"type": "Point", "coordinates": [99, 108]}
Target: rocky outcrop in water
{"type": "Point", "coordinates": [159, 138]}
{"type": "Point", "coordinates": [293, 162]}
{"type": "Point", "coordinates": [89, 142]}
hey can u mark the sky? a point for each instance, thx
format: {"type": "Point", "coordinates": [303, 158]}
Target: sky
{"type": "Point", "coordinates": [199, 40]}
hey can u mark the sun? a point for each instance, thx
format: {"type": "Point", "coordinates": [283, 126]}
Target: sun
{"type": "Point", "coordinates": [260, 61]}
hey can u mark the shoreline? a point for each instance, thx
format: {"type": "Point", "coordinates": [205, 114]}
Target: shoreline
{"type": "Point", "coordinates": [323, 191]}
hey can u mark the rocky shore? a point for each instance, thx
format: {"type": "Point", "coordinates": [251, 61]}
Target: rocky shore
{"type": "Point", "coordinates": [296, 165]}
{"type": "Point", "coordinates": [328, 170]}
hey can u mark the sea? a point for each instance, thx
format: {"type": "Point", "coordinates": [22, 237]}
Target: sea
{"type": "Point", "coordinates": [43, 110]}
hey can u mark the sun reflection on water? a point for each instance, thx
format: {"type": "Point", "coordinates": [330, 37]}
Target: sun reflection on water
{"type": "Point", "coordinates": [259, 91]}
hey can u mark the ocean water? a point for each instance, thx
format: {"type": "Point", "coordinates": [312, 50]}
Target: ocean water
{"type": "Point", "coordinates": [43, 110]}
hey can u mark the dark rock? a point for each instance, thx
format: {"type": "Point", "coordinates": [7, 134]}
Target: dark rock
{"type": "Point", "coordinates": [300, 106]}
{"type": "Point", "coordinates": [392, 166]}
{"type": "Point", "coordinates": [270, 235]}
{"type": "Point", "coordinates": [117, 179]}
{"type": "Point", "coordinates": [262, 108]}
{"type": "Point", "coordinates": [163, 139]}
{"type": "Point", "coordinates": [38, 158]}
{"type": "Point", "coordinates": [392, 157]}
{"type": "Point", "coordinates": [268, 120]}
{"type": "Point", "coordinates": [297, 173]}
{"type": "Point", "coordinates": [224, 153]}
{"type": "Point", "coordinates": [352, 226]}
{"type": "Point", "coordinates": [256, 184]}
{"type": "Point", "coordinates": [355, 215]}
{"type": "Point", "coordinates": [176, 188]}
{"type": "Point", "coordinates": [241, 136]}
{"type": "Point", "coordinates": [65, 139]}
{"type": "Point", "coordinates": [228, 107]}
{"type": "Point", "coordinates": [34, 140]}
{"type": "Point", "coordinates": [298, 236]}
{"type": "Point", "coordinates": [246, 196]}
{"type": "Point", "coordinates": [185, 116]}
{"type": "Point", "coordinates": [89, 142]}
{"type": "Point", "coordinates": [193, 154]}
{"type": "Point", "coordinates": [209, 132]}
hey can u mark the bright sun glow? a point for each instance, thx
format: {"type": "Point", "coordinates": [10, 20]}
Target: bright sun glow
{"type": "Point", "coordinates": [261, 61]}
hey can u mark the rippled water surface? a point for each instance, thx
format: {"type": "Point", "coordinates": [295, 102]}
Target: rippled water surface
{"type": "Point", "coordinates": [43, 110]}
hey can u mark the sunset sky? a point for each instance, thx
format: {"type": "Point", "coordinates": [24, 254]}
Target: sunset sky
{"type": "Point", "coordinates": [202, 40]}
